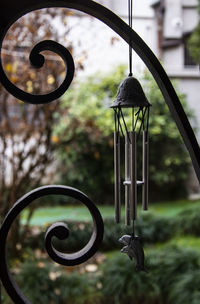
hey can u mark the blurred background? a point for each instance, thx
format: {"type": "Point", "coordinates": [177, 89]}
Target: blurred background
{"type": "Point", "coordinates": [70, 142]}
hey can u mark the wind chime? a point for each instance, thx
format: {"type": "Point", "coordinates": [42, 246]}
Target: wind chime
{"type": "Point", "coordinates": [131, 102]}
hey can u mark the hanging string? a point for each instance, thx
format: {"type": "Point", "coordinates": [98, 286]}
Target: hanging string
{"type": "Point", "coordinates": [115, 116]}
{"type": "Point", "coordinates": [125, 125]}
{"type": "Point", "coordinates": [118, 120]}
{"type": "Point", "coordinates": [148, 119]}
{"type": "Point", "coordinates": [130, 21]}
{"type": "Point", "coordinates": [133, 230]}
{"type": "Point", "coordinates": [133, 110]}
{"type": "Point", "coordinates": [142, 126]}
{"type": "Point", "coordinates": [137, 114]}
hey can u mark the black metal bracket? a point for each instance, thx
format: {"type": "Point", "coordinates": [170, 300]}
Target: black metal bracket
{"type": "Point", "coordinates": [10, 11]}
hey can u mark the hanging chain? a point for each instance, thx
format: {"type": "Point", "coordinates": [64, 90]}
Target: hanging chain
{"type": "Point", "coordinates": [130, 19]}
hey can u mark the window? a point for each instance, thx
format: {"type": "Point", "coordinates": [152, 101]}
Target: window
{"type": "Point", "coordinates": [189, 61]}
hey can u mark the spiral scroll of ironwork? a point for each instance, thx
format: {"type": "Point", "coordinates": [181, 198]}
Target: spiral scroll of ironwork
{"type": "Point", "coordinates": [37, 61]}
{"type": "Point", "coordinates": [10, 11]}
{"type": "Point", "coordinates": [59, 230]}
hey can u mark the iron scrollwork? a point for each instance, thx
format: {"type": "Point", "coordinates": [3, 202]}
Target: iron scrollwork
{"type": "Point", "coordinates": [59, 230]}
{"type": "Point", "coordinates": [37, 61]}
{"type": "Point", "coordinates": [10, 11]}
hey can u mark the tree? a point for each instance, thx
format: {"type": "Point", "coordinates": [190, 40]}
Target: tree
{"type": "Point", "coordinates": [26, 140]}
{"type": "Point", "coordinates": [85, 140]}
{"type": "Point", "coordinates": [85, 136]}
{"type": "Point", "coordinates": [194, 40]}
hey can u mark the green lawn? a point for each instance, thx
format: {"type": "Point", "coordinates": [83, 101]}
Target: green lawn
{"type": "Point", "coordinates": [187, 241]}
{"type": "Point", "coordinates": [46, 215]}
{"type": "Point", "coordinates": [172, 208]}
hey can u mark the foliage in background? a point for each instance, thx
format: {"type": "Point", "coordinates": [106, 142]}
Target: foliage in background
{"type": "Point", "coordinates": [152, 229]}
{"type": "Point", "coordinates": [169, 265]}
{"type": "Point", "coordinates": [123, 285]}
{"type": "Point", "coordinates": [43, 282]}
{"type": "Point", "coordinates": [173, 270]}
{"type": "Point", "coordinates": [26, 148]}
{"type": "Point", "coordinates": [188, 222]}
{"type": "Point", "coordinates": [186, 289]}
{"type": "Point", "coordinates": [85, 139]}
{"type": "Point", "coordinates": [85, 136]}
{"type": "Point", "coordinates": [25, 130]}
{"type": "Point", "coordinates": [193, 42]}
{"type": "Point", "coordinates": [173, 277]}
{"type": "Point", "coordinates": [168, 268]}
{"type": "Point", "coordinates": [169, 161]}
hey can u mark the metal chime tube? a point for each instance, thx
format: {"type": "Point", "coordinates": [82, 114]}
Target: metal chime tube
{"type": "Point", "coordinates": [145, 171]}
{"type": "Point", "coordinates": [133, 160]}
{"type": "Point", "coordinates": [127, 180]}
{"type": "Point", "coordinates": [117, 176]}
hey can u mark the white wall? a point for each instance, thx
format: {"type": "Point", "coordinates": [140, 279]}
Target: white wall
{"type": "Point", "coordinates": [173, 20]}
{"type": "Point", "coordinates": [189, 3]}
{"type": "Point", "coordinates": [120, 7]}
{"type": "Point", "coordinates": [173, 59]}
{"type": "Point", "coordinates": [190, 19]}
{"type": "Point", "coordinates": [190, 87]}
{"type": "Point", "coordinates": [96, 37]}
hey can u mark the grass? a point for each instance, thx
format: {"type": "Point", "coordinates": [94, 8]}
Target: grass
{"type": "Point", "coordinates": [46, 215]}
{"type": "Point", "coordinates": [172, 208]}
{"type": "Point", "coordinates": [183, 241]}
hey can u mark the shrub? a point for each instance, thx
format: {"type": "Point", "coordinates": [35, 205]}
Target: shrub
{"type": "Point", "coordinates": [36, 283]}
{"type": "Point", "coordinates": [173, 278]}
{"type": "Point", "coordinates": [154, 228]}
{"type": "Point", "coordinates": [169, 268]}
{"type": "Point", "coordinates": [79, 235]}
{"type": "Point", "coordinates": [188, 221]}
{"type": "Point", "coordinates": [79, 288]}
{"type": "Point", "coordinates": [186, 289]}
{"type": "Point", "coordinates": [42, 282]}
{"type": "Point", "coordinates": [169, 265]}
{"type": "Point", "coordinates": [112, 233]}
{"type": "Point", "coordinates": [123, 285]}
{"type": "Point", "coordinates": [149, 227]}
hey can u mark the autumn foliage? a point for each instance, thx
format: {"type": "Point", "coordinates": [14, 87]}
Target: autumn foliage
{"type": "Point", "coordinates": [26, 140]}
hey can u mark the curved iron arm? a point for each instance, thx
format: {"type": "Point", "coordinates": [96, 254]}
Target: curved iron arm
{"type": "Point", "coordinates": [10, 11]}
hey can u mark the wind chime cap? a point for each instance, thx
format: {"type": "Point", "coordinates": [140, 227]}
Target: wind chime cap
{"type": "Point", "coordinates": [130, 95]}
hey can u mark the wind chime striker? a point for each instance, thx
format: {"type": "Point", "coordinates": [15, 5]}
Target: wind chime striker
{"type": "Point", "coordinates": [131, 95]}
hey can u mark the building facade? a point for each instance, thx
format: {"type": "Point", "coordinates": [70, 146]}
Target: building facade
{"type": "Point", "coordinates": [174, 27]}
